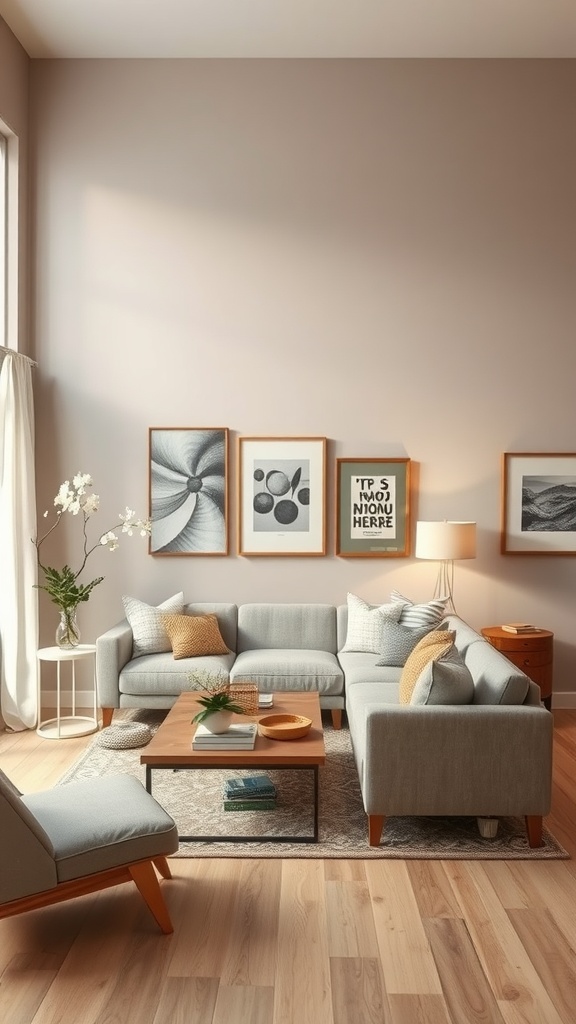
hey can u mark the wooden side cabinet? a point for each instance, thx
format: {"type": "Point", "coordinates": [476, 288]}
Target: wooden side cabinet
{"type": "Point", "coordinates": [532, 652]}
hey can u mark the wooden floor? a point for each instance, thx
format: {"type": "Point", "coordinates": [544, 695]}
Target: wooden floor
{"type": "Point", "coordinates": [304, 942]}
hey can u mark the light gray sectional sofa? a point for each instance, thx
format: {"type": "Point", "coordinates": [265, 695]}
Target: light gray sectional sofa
{"type": "Point", "coordinates": [489, 757]}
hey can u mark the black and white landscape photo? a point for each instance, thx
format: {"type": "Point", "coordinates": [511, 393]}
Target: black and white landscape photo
{"type": "Point", "coordinates": [548, 504]}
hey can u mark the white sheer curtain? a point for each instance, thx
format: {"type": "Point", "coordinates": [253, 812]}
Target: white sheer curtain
{"type": "Point", "coordinates": [18, 571]}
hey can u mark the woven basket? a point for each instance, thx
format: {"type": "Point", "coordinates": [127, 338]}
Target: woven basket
{"type": "Point", "coordinates": [246, 695]}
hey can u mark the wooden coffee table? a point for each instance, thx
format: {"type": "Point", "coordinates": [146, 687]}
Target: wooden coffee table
{"type": "Point", "coordinates": [171, 748]}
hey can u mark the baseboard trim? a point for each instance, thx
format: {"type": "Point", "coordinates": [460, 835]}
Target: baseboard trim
{"type": "Point", "coordinates": [84, 698]}
{"type": "Point", "coordinates": [564, 701]}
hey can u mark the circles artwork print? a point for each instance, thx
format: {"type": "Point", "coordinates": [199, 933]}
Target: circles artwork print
{"type": "Point", "coordinates": [281, 495]}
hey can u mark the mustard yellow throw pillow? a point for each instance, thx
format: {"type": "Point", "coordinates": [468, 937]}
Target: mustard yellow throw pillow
{"type": "Point", "coordinates": [431, 647]}
{"type": "Point", "coordinates": [194, 636]}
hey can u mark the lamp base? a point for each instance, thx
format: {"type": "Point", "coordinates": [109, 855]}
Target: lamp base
{"type": "Point", "coordinates": [445, 584]}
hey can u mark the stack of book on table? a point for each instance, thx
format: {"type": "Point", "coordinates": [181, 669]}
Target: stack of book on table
{"type": "Point", "coordinates": [520, 627]}
{"type": "Point", "coordinates": [252, 793]}
{"type": "Point", "coordinates": [236, 737]}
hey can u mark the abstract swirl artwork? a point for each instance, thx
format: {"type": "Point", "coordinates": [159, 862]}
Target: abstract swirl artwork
{"type": "Point", "coordinates": [189, 490]}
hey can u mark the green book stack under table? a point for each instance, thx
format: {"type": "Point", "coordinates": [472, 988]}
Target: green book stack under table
{"type": "Point", "coordinates": [250, 793]}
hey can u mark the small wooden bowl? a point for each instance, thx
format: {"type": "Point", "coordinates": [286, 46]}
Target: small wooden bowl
{"type": "Point", "coordinates": [284, 727]}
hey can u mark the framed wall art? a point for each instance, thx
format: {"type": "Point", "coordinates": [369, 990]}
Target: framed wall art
{"type": "Point", "coordinates": [282, 495]}
{"type": "Point", "coordinates": [188, 490]}
{"type": "Point", "coordinates": [538, 503]}
{"type": "Point", "coordinates": [373, 508]}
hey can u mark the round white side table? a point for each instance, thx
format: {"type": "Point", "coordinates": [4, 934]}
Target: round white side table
{"type": "Point", "coordinates": [64, 726]}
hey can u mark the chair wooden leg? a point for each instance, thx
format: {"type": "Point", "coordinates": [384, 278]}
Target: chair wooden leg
{"type": "Point", "coordinates": [162, 867]}
{"type": "Point", "coordinates": [534, 829]}
{"type": "Point", "coordinates": [147, 882]}
{"type": "Point", "coordinates": [336, 718]}
{"type": "Point", "coordinates": [107, 716]}
{"type": "Point", "coordinates": [375, 826]}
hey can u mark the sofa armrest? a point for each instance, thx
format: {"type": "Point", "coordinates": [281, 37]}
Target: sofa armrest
{"type": "Point", "coordinates": [466, 759]}
{"type": "Point", "coordinates": [113, 651]}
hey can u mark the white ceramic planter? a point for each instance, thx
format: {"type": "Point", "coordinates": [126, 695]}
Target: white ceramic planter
{"type": "Point", "coordinates": [218, 722]}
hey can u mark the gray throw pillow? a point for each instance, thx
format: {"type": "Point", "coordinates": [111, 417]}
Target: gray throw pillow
{"type": "Point", "coordinates": [149, 634]}
{"type": "Point", "coordinates": [444, 681]}
{"type": "Point", "coordinates": [398, 642]}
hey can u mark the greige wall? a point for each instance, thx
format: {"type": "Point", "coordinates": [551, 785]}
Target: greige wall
{"type": "Point", "coordinates": [379, 252]}
{"type": "Point", "coordinates": [14, 82]}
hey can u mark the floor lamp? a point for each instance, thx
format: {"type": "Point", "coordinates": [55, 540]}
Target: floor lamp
{"type": "Point", "coordinates": [444, 542]}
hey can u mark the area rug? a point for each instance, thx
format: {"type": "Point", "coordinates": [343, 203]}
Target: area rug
{"type": "Point", "coordinates": [195, 801]}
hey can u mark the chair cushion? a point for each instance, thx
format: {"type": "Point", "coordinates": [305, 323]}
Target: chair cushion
{"type": "Point", "coordinates": [429, 648]}
{"type": "Point", "coordinates": [194, 636]}
{"type": "Point", "coordinates": [366, 623]}
{"type": "Point", "coordinates": [149, 634]}
{"type": "Point", "coordinates": [102, 823]}
{"type": "Point", "coordinates": [287, 670]}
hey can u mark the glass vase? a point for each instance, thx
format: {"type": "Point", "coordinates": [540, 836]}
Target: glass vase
{"type": "Point", "coordinates": [67, 631]}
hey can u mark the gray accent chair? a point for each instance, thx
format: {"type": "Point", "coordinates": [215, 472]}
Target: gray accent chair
{"type": "Point", "coordinates": [82, 837]}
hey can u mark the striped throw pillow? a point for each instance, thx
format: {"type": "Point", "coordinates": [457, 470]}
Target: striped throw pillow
{"type": "Point", "coordinates": [418, 616]}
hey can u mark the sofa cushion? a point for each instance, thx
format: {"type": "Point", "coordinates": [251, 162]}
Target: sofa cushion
{"type": "Point", "coordinates": [149, 634]}
{"type": "Point", "coordinates": [288, 669]}
{"type": "Point", "coordinates": [365, 624]}
{"type": "Point", "coordinates": [309, 627]}
{"type": "Point", "coordinates": [419, 615]}
{"type": "Point", "coordinates": [361, 668]}
{"type": "Point", "coordinates": [194, 636]}
{"type": "Point", "coordinates": [398, 641]}
{"type": "Point", "coordinates": [429, 648]}
{"type": "Point", "coordinates": [161, 675]}
{"type": "Point", "coordinates": [496, 680]}
{"type": "Point", "coordinates": [444, 680]}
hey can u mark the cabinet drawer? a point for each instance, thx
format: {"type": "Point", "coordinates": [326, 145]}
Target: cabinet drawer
{"type": "Point", "coordinates": [529, 659]}
{"type": "Point", "coordinates": [516, 643]}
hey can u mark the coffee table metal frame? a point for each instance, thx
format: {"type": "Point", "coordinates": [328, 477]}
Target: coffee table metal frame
{"type": "Point", "coordinates": [218, 760]}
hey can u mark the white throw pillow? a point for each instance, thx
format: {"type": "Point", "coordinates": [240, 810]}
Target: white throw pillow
{"type": "Point", "coordinates": [417, 616]}
{"type": "Point", "coordinates": [366, 624]}
{"type": "Point", "coordinates": [149, 634]}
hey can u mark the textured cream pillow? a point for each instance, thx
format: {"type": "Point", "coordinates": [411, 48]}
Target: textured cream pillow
{"type": "Point", "coordinates": [429, 648]}
{"type": "Point", "coordinates": [365, 624]}
{"type": "Point", "coordinates": [148, 633]}
{"type": "Point", "coordinates": [194, 636]}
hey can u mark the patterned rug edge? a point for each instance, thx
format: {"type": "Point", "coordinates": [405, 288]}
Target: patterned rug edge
{"type": "Point", "coordinates": [550, 850]}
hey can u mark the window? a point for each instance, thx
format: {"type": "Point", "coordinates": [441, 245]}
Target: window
{"type": "Point", "coordinates": [3, 237]}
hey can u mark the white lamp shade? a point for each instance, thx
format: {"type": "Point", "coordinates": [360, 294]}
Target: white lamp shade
{"type": "Point", "coordinates": [445, 541]}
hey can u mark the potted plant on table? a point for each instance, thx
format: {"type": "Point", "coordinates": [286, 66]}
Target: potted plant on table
{"type": "Point", "coordinates": [217, 703]}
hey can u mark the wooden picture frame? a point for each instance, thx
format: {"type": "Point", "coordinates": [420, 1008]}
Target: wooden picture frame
{"type": "Point", "coordinates": [538, 513]}
{"type": "Point", "coordinates": [373, 508]}
{"type": "Point", "coordinates": [188, 490]}
{"type": "Point", "coordinates": [282, 496]}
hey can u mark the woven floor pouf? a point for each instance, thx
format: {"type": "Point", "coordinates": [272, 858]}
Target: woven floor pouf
{"type": "Point", "coordinates": [124, 735]}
